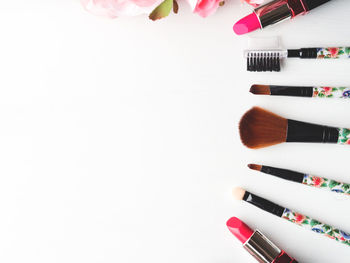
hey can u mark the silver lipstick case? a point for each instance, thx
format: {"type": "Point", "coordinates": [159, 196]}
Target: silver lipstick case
{"type": "Point", "coordinates": [261, 248]}
{"type": "Point", "coordinates": [273, 13]}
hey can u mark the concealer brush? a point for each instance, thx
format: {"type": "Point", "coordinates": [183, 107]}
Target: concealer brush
{"type": "Point", "coordinates": [306, 179]}
{"type": "Point", "coordinates": [294, 217]}
{"type": "Point", "coordinates": [302, 91]}
{"type": "Point", "coordinates": [260, 128]}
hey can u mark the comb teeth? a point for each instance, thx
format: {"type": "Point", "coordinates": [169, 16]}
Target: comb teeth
{"type": "Point", "coordinates": [262, 61]}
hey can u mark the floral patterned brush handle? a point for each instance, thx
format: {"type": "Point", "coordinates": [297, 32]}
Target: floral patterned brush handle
{"type": "Point", "coordinates": [333, 52]}
{"type": "Point", "coordinates": [327, 184]}
{"type": "Point", "coordinates": [331, 92]}
{"type": "Point", "coordinates": [344, 136]}
{"type": "Point", "coordinates": [316, 226]}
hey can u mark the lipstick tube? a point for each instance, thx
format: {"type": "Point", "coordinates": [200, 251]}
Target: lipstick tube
{"type": "Point", "coordinates": [280, 10]}
{"type": "Point", "coordinates": [274, 12]}
{"type": "Point", "coordinates": [257, 244]}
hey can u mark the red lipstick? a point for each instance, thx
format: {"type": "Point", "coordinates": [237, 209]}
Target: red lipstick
{"type": "Point", "coordinates": [258, 245]}
{"type": "Point", "coordinates": [274, 12]}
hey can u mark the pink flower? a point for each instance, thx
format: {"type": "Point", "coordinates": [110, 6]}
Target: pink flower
{"type": "Point", "coordinates": [204, 8]}
{"type": "Point", "coordinates": [254, 3]}
{"type": "Point", "coordinates": [334, 52]}
{"type": "Point", "coordinates": [327, 91]}
{"type": "Point", "coordinates": [299, 218]}
{"type": "Point", "coordinates": [317, 181]}
{"type": "Point", "coordinates": [348, 142]}
{"type": "Point", "coordinates": [115, 8]}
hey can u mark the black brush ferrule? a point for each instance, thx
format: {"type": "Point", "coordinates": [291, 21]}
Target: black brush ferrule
{"type": "Point", "coordinates": [292, 91]}
{"type": "Point", "coordinates": [311, 4]}
{"type": "Point", "coordinates": [303, 53]}
{"type": "Point", "coordinates": [307, 132]}
{"type": "Point", "coordinates": [284, 174]}
{"type": "Point", "coordinates": [263, 204]}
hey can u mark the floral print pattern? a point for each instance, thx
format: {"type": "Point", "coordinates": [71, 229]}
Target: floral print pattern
{"type": "Point", "coordinates": [344, 136]}
{"type": "Point", "coordinates": [333, 52]}
{"type": "Point", "coordinates": [331, 92]}
{"type": "Point", "coordinates": [316, 226]}
{"type": "Point", "coordinates": [327, 184]}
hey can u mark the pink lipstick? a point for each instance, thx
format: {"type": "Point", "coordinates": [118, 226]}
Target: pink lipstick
{"type": "Point", "coordinates": [274, 12]}
{"type": "Point", "coordinates": [258, 245]}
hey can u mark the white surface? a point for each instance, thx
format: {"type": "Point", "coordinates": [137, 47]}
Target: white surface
{"type": "Point", "coordinates": [119, 139]}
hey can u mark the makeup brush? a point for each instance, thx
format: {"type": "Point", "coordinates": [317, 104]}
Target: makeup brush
{"type": "Point", "coordinates": [302, 91]}
{"type": "Point", "coordinates": [269, 59]}
{"type": "Point", "coordinates": [296, 218]}
{"type": "Point", "coordinates": [306, 179]}
{"type": "Point", "coordinates": [260, 128]}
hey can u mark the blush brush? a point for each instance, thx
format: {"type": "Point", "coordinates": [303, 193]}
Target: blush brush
{"type": "Point", "coordinates": [260, 128]}
{"type": "Point", "coordinates": [301, 91]}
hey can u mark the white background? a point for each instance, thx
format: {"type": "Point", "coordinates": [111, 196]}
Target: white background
{"type": "Point", "coordinates": [119, 138]}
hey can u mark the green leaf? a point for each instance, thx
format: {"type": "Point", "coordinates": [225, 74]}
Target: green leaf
{"type": "Point", "coordinates": [341, 52]}
{"type": "Point", "coordinates": [334, 89]}
{"type": "Point", "coordinates": [305, 222]}
{"type": "Point", "coordinates": [324, 185]}
{"type": "Point", "coordinates": [333, 184]}
{"type": "Point", "coordinates": [326, 227]}
{"type": "Point", "coordinates": [346, 187]}
{"type": "Point", "coordinates": [162, 10]}
{"type": "Point", "coordinates": [346, 132]}
{"type": "Point", "coordinates": [347, 50]}
{"type": "Point", "coordinates": [314, 222]}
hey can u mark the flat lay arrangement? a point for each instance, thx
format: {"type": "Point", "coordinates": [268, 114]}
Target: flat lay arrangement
{"type": "Point", "coordinates": [192, 131]}
{"type": "Point", "coordinates": [260, 128]}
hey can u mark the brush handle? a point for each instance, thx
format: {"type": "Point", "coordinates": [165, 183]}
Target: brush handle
{"type": "Point", "coordinates": [344, 136]}
{"type": "Point", "coordinates": [316, 226]}
{"type": "Point", "coordinates": [296, 218]}
{"type": "Point", "coordinates": [325, 183]}
{"type": "Point", "coordinates": [333, 52]}
{"type": "Point", "coordinates": [331, 92]}
{"type": "Point", "coordinates": [307, 132]}
{"type": "Point", "coordinates": [306, 179]}
{"type": "Point", "coordinates": [320, 53]}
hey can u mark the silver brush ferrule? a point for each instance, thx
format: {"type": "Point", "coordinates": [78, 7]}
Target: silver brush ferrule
{"type": "Point", "coordinates": [273, 13]}
{"type": "Point", "coordinates": [261, 248]}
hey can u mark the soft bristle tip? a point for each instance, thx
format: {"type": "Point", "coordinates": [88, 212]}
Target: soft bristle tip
{"type": "Point", "coordinates": [238, 193]}
{"type": "Point", "coordinates": [260, 128]}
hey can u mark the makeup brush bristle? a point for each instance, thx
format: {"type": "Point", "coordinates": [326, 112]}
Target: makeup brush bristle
{"type": "Point", "coordinates": [238, 193]}
{"type": "Point", "coordinates": [260, 90]}
{"type": "Point", "coordinates": [255, 167]}
{"type": "Point", "coordinates": [260, 128]}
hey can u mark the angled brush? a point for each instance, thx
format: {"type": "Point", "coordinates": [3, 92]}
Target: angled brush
{"type": "Point", "coordinates": [302, 91]}
{"type": "Point", "coordinates": [306, 179]}
{"type": "Point", "coordinates": [260, 128]}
